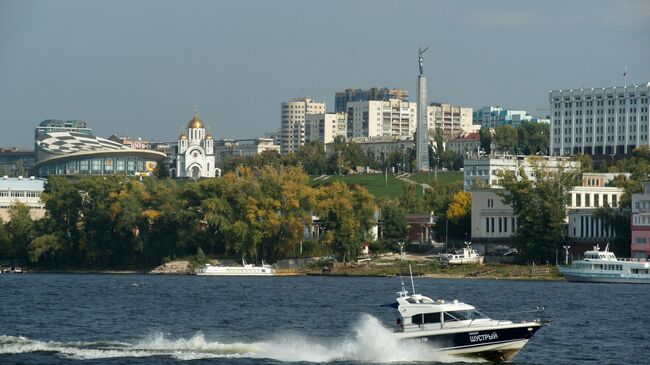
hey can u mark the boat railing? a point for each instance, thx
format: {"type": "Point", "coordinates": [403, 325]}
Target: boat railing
{"type": "Point", "coordinates": [633, 259]}
{"type": "Point", "coordinates": [524, 316]}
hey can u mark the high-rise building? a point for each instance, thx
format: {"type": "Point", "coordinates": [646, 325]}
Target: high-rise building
{"type": "Point", "coordinates": [342, 98]}
{"type": "Point", "coordinates": [454, 121]}
{"type": "Point", "coordinates": [293, 122]}
{"type": "Point", "coordinates": [325, 127]}
{"type": "Point", "coordinates": [599, 121]}
{"type": "Point", "coordinates": [375, 118]}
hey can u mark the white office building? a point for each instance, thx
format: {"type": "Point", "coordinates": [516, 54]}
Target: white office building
{"type": "Point", "coordinates": [325, 127]}
{"type": "Point", "coordinates": [599, 121]}
{"type": "Point", "coordinates": [293, 119]}
{"type": "Point", "coordinates": [21, 190]}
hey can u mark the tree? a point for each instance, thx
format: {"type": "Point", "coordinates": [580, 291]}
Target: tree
{"type": "Point", "coordinates": [409, 200]}
{"type": "Point", "coordinates": [619, 221]}
{"type": "Point", "coordinates": [347, 215]}
{"type": "Point", "coordinates": [394, 227]}
{"type": "Point", "coordinates": [586, 162]}
{"type": "Point", "coordinates": [533, 138]}
{"type": "Point", "coordinates": [313, 158]}
{"type": "Point", "coordinates": [506, 138]}
{"type": "Point", "coordinates": [43, 246]}
{"type": "Point", "coordinates": [460, 207]}
{"type": "Point", "coordinates": [162, 170]}
{"type": "Point", "coordinates": [541, 207]}
{"type": "Point", "coordinates": [20, 231]}
{"type": "Point", "coordinates": [486, 139]}
{"type": "Point", "coordinates": [5, 243]}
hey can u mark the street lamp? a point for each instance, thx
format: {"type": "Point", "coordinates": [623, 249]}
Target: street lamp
{"type": "Point", "coordinates": [566, 254]}
{"type": "Point", "coordinates": [401, 249]}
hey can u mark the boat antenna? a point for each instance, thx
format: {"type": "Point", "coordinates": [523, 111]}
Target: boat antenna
{"type": "Point", "coordinates": [412, 283]}
{"type": "Point", "coordinates": [607, 247]}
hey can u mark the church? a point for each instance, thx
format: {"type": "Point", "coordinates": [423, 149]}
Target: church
{"type": "Point", "coordinates": [195, 156]}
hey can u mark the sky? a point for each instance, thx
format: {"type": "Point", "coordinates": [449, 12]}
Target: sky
{"type": "Point", "coordinates": [138, 68]}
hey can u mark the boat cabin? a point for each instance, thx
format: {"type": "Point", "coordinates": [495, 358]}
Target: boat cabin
{"type": "Point", "coordinates": [419, 312]}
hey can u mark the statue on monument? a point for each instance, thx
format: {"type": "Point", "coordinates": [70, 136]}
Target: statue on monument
{"type": "Point", "coordinates": [420, 52]}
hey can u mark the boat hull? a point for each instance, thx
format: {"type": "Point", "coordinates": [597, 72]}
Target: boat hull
{"type": "Point", "coordinates": [500, 343]}
{"type": "Point", "coordinates": [594, 278]}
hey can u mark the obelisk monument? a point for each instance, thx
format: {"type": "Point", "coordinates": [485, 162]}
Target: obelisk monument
{"type": "Point", "coordinates": [422, 130]}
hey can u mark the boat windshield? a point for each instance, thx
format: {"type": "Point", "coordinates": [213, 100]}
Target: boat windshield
{"type": "Point", "coordinates": [463, 315]}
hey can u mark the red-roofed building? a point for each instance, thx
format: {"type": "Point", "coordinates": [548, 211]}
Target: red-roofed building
{"type": "Point", "coordinates": [465, 143]}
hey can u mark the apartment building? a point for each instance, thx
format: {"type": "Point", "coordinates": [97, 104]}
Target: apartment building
{"type": "Point", "coordinates": [293, 117]}
{"type": "Point", "coordinates": [376, 118]}
{"type": "Point", "coordinates": [640, 245]}
{"type": "Point", "coordinates": [454, 121]}
{"type": "Point", "coordinates": [325, 127]}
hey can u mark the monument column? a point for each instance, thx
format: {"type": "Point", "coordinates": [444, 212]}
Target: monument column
{"type": "Point", "coordinates": [422, 142]}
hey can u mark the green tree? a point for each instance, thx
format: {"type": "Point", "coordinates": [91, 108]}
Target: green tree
{"type": "Point", "coordinates": [20, 231]}
{"type": "Point", "coordinates": [313, 158]}
{"type": "Point", "coordinates": [486, 139]}
{"type": "Point", "coordinates": [533, 138]}
{"type": "Point", "coordinates": [586, 162]}
{"type": "Point", "coordinates": [540, 205]}
{"type": "Point", "coordinates": [5, 242]}
{"type": "Point", "coordinates": [409, 201]}
{"type": "Point", "coordinates": [394, 226]}
{"type": "Point", "coordinates": [506, 138]}
{"type": "Point", "coordinates": [619, 221]}
{"type": "Point", "coordinates": [44, 246]}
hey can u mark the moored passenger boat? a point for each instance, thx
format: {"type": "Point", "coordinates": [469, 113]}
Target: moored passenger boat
{"type": "Point", "coordinates": [244, 270]}
{"type": "Point", "coordinates": [603, 267]}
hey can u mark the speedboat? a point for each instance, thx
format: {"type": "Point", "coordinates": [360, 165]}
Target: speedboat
{"type": "Point", "coordinates": [603, 267]}
{"type": "Point", "coordinates": [457, 328]}
{"type": "Point", "coordinates": [244, 270]}
{"type": "Point", "coordinates": [466, 255]}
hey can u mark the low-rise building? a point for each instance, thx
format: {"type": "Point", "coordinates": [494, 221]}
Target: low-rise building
{"type": "Point", "coordinates": [640, 245]}
{"type": "Point", "coordinates": [464, 144]}
{"type": "Point", "coordinates": [485, 168]}
{"type": "Point", "coordinates": [15, 162]}
{"type": "Point", "coordinates": [493, 221]}
{"type": "Point", "coordinates": [243, 147]}
{"type": "Point", "coordinates": [381, 147]}
{"type": "Point", "coordinates": [23, 190]}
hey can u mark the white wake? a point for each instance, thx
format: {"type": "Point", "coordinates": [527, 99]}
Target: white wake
{"type": "Point", "coordinates": [370, 342]}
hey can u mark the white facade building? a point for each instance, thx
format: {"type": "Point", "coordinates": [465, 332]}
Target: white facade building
{"type": "Point", "coordinates": [600, 121]}
{"type": "Point", "coordinates": [293, 119]}
{"type": "Point", "coordinates": [325, 127]}
{"type": "Point", "coordinates": [381, 147]}
{"type": "Point", "coordinates": [24, 190]}
{"type": "Point", "coordinates": [486, 168]}
{"type": "Point", "coordinates": [494, 222]}
{"type": "Point", "coordinates": [377, 118]}
{"type": "Point", "coordinates": [195, 152]}
{"type": "Point", "coordinates": [243, 147]}
{"type": "Point", "coordinates": [453, 120]}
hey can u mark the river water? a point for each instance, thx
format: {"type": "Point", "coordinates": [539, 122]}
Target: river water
{"type": "Point", "coordinates": [140, 319]}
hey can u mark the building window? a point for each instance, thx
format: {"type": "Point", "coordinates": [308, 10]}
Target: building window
{"type": "Point", "coordinates": [578, 200]}
{"type": "Point", "coordinates": [587, 200]}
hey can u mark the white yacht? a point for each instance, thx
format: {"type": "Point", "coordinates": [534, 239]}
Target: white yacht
{"type": "Point", "coordinates": [458, 328]}
{"type": "Point", "coordinates": [603, 267]}
{"type": "Point", "coordinates": [466, 255]}
{"type": "Point", "coordinates": [244, 270]}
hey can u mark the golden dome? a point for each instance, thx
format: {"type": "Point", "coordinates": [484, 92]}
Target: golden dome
{"type": "Point", "coordinates": [208, 136]}
{"type": "Point", "coordinates": [182, 136]}
{"type": "Point", "coordinates": [195, 122]}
